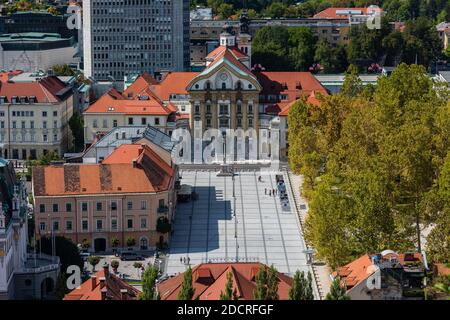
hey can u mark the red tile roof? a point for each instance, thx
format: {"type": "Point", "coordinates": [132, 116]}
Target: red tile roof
{"type": "Point", "coordinates": [209, 281]}
{"type": "Point", "coordinates": [103, 286]}
{"type": "Point", "coordinates": [5, 76]}
{"type": "Point", "coordinates": [173, 83]}
{"type": "Point", "coordinates": [331, 13]}
{"type": "Point", "coordinates": [140, 85]}
{"type": "Point", "coordinates": [123, 173]}
{"type": "Point", "coordinates": [354, 272]}
{"type": "Point", "coordinates": [46, 90]}
{"type": "Point", "coordinates": [235, 51]}
{"type": "Point", "coordinates": [114, 102]}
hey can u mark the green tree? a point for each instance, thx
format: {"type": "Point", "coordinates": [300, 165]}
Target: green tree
{"type": "Point", "coordinates": [301, 287]}
{"type": "Point", "coordinates": [270, 48]}
{"type": "Point", "coordinates": [60, 287]}
{"type": "Point", "coordinates": [131, 242]}
{"type": "Point", "coordinates": [352, 85]}
{"type": "Point", "coordinates": [76, 124]}
{"type": "Point", "coordinates": [187, 291]}
{"type": "Point", "coordinates": [93, 261]}
{"type": "Point", "coordinates": [63, 70]}
{"type": "Point", "coordinates": [65, 249]}
{"type": "Point", "coordinates": [225, 10]}
{"type": "Point", "coordinates": [266, 284]}
{"type": "Point", "coordinates": [337, 292]}
{"type": "Point", "coordinates": [228, 294]}
{"type": "Point", "coordinates": [149, 278]}
{"type": "Point", "coordinates": [302, 44]}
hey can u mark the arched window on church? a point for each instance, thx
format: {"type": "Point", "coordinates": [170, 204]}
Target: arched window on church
{"type": "Point", "coordinates": [238, 85]}
{"type": "Point", "coordinates": [224, 86]}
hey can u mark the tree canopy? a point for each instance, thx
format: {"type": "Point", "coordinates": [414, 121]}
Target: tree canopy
{"type": "Point", "coordinates": [374, 165]}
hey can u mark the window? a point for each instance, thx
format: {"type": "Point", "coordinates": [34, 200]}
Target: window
{"type": "Point", "coordinates": [14, 124]}
{"type": "Point", "coordinates": [113, 205]}
{"type": "Point", "coordinates": [42, 226]}
{"type": "Point", "coordinates": [130, 205]}
{"type": "Point", "coordinates": [44, 124]}
{"type": "Point", "coordinates": [84, 207]}
{"type": "Point", "coordinates": [250, 108]}
{"type": "Point", "coordinates": [156, 121]}
{"type": "Point", "coordinates": [197, 108]}
{"type": "Point", "coordinates": [161, 203]}
{"type": "Point", "coordinates": [44, 113]}
{"type": "Point", "coordinates": [55, 113]}
{"type": "Point", "coordinates": [94, 123]}
{"type": "Point", "coordinates": [55, 124]}
{"type": "Point", "coordinates": [114, 224]}
{"type": "Point", "coordinates": [144, 121]}
{"type": "Point", "coordinates": [250, 122]}
{"type": "Point", "coordinates": [114, 123]}
{"type": "Point", "coordinates": [99, 206]}
{"type": "Point", "coordinates": [68, 225]}
{"type": "Point", "coordinates": [68, 207]}
{"type": "Point", "coordinates": [32, 124]}
{"type": "Point", "coordinates": [99, 224]}
{"type": "Point", "coordinates": [143, 204]}
{"type": "Point", "coordinates": [143, 223]}
{"type": "Point", "coordinates": [55, 207]}
{"type": "Point", "coordinates": [105, 123]}
{"type": "Point", "coordinates": [42, 208]}
{"type": "Point", "coordinates": [130, 121]}
{"type": "Point", "coordinates": [55, 225]}
{"type": "Point", "coordinates": [44, 138]}
{"type": "Point", "coordinates": [130, 223]}
{"type": "Point", "coordinates": [84, 225]}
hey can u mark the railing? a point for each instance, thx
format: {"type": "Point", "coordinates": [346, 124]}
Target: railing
{"type": "Point", "coordinates": [163, 209]}
{"type": "Point", "coordinates": [296, 206]}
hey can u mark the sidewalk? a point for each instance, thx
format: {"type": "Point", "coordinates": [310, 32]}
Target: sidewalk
{"type": "Point", "coordinates": [321, 270]}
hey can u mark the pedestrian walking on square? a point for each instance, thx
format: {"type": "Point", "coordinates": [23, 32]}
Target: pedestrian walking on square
{"type": "Point", "coordinates": [189, 260]}
{"type": "Point", "coordinates": [184, 260]}
{"type": "Point", "coordinates": [265, 190]}
{"type": "Point", "coordinates": [181, 260]}
{"type": "Point", "coordinates": [270, 192]}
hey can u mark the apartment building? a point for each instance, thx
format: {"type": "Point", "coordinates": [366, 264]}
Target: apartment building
{"type": "Point", "coordinates": [23, 275]}
{"type": "Point", "coordinates": [136, 106]}
{"type": "Point", "coordinates": [130, 195]}
{"type": "Point", "coordinates": [34, 118]}
{"type": "Point", "coordinates": [123, 37]}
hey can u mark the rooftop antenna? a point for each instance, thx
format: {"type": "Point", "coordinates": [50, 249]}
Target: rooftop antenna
{"type": "Point", "coordinates": [244, 5]}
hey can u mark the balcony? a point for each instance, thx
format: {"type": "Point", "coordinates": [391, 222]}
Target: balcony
{"type": "Point", "coordinates": [37, 263]}
{"type": "Point", "coordinates": [163, 210]}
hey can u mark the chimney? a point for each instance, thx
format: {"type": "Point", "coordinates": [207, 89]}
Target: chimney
{"type": "Point", "coordinates": [123, 294]}
{"type": "Point", "coordinates": [106, 269]}
{"type": "Point", "coordinates": [103, 293]}
{"type": "Point", "coordinates": [134, 163]}
{"type": "Point", "coordinates": [93, 282]}
{"type": "Point", "coordinates": [102, 282]}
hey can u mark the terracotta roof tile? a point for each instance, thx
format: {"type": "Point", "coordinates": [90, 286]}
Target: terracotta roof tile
{"type": "Point", "coordinates": [45, 90]}
{"type": "Point", "coordinates": [92, 288]}
{"type": "Point", "coordinates": [242, 275]}
{"type": "Point", "coordinates": [149, 174]}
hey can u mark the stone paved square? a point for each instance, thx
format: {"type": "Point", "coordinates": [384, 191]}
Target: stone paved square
{"type": "Point", "coordinates": [251, 226]}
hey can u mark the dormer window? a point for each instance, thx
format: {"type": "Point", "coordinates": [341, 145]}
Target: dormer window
{"type": "Point", "coordinates": [32, 99]}
{"type": "Point", "coordinates": [2, 99]}
{"type": "Point", "coordinates": [23, 99]}
{"type": "Point", "coordinates": [14, 99]}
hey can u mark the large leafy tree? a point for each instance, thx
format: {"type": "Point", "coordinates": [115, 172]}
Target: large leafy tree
{"type": "Point", "coordinates": [371, 162]}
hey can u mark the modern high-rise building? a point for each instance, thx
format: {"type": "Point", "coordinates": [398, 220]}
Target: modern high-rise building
{"type": "Point", "coordinates": [123, 37]}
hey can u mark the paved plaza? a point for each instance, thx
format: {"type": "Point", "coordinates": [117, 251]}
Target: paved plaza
{"type": "Point", "coordinates": [251, 226]}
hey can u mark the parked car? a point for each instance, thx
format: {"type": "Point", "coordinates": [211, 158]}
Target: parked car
{"type": "Point", "coordinates": [130, 256]}
{"type": "Point", "coordinates": [84, 255]}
